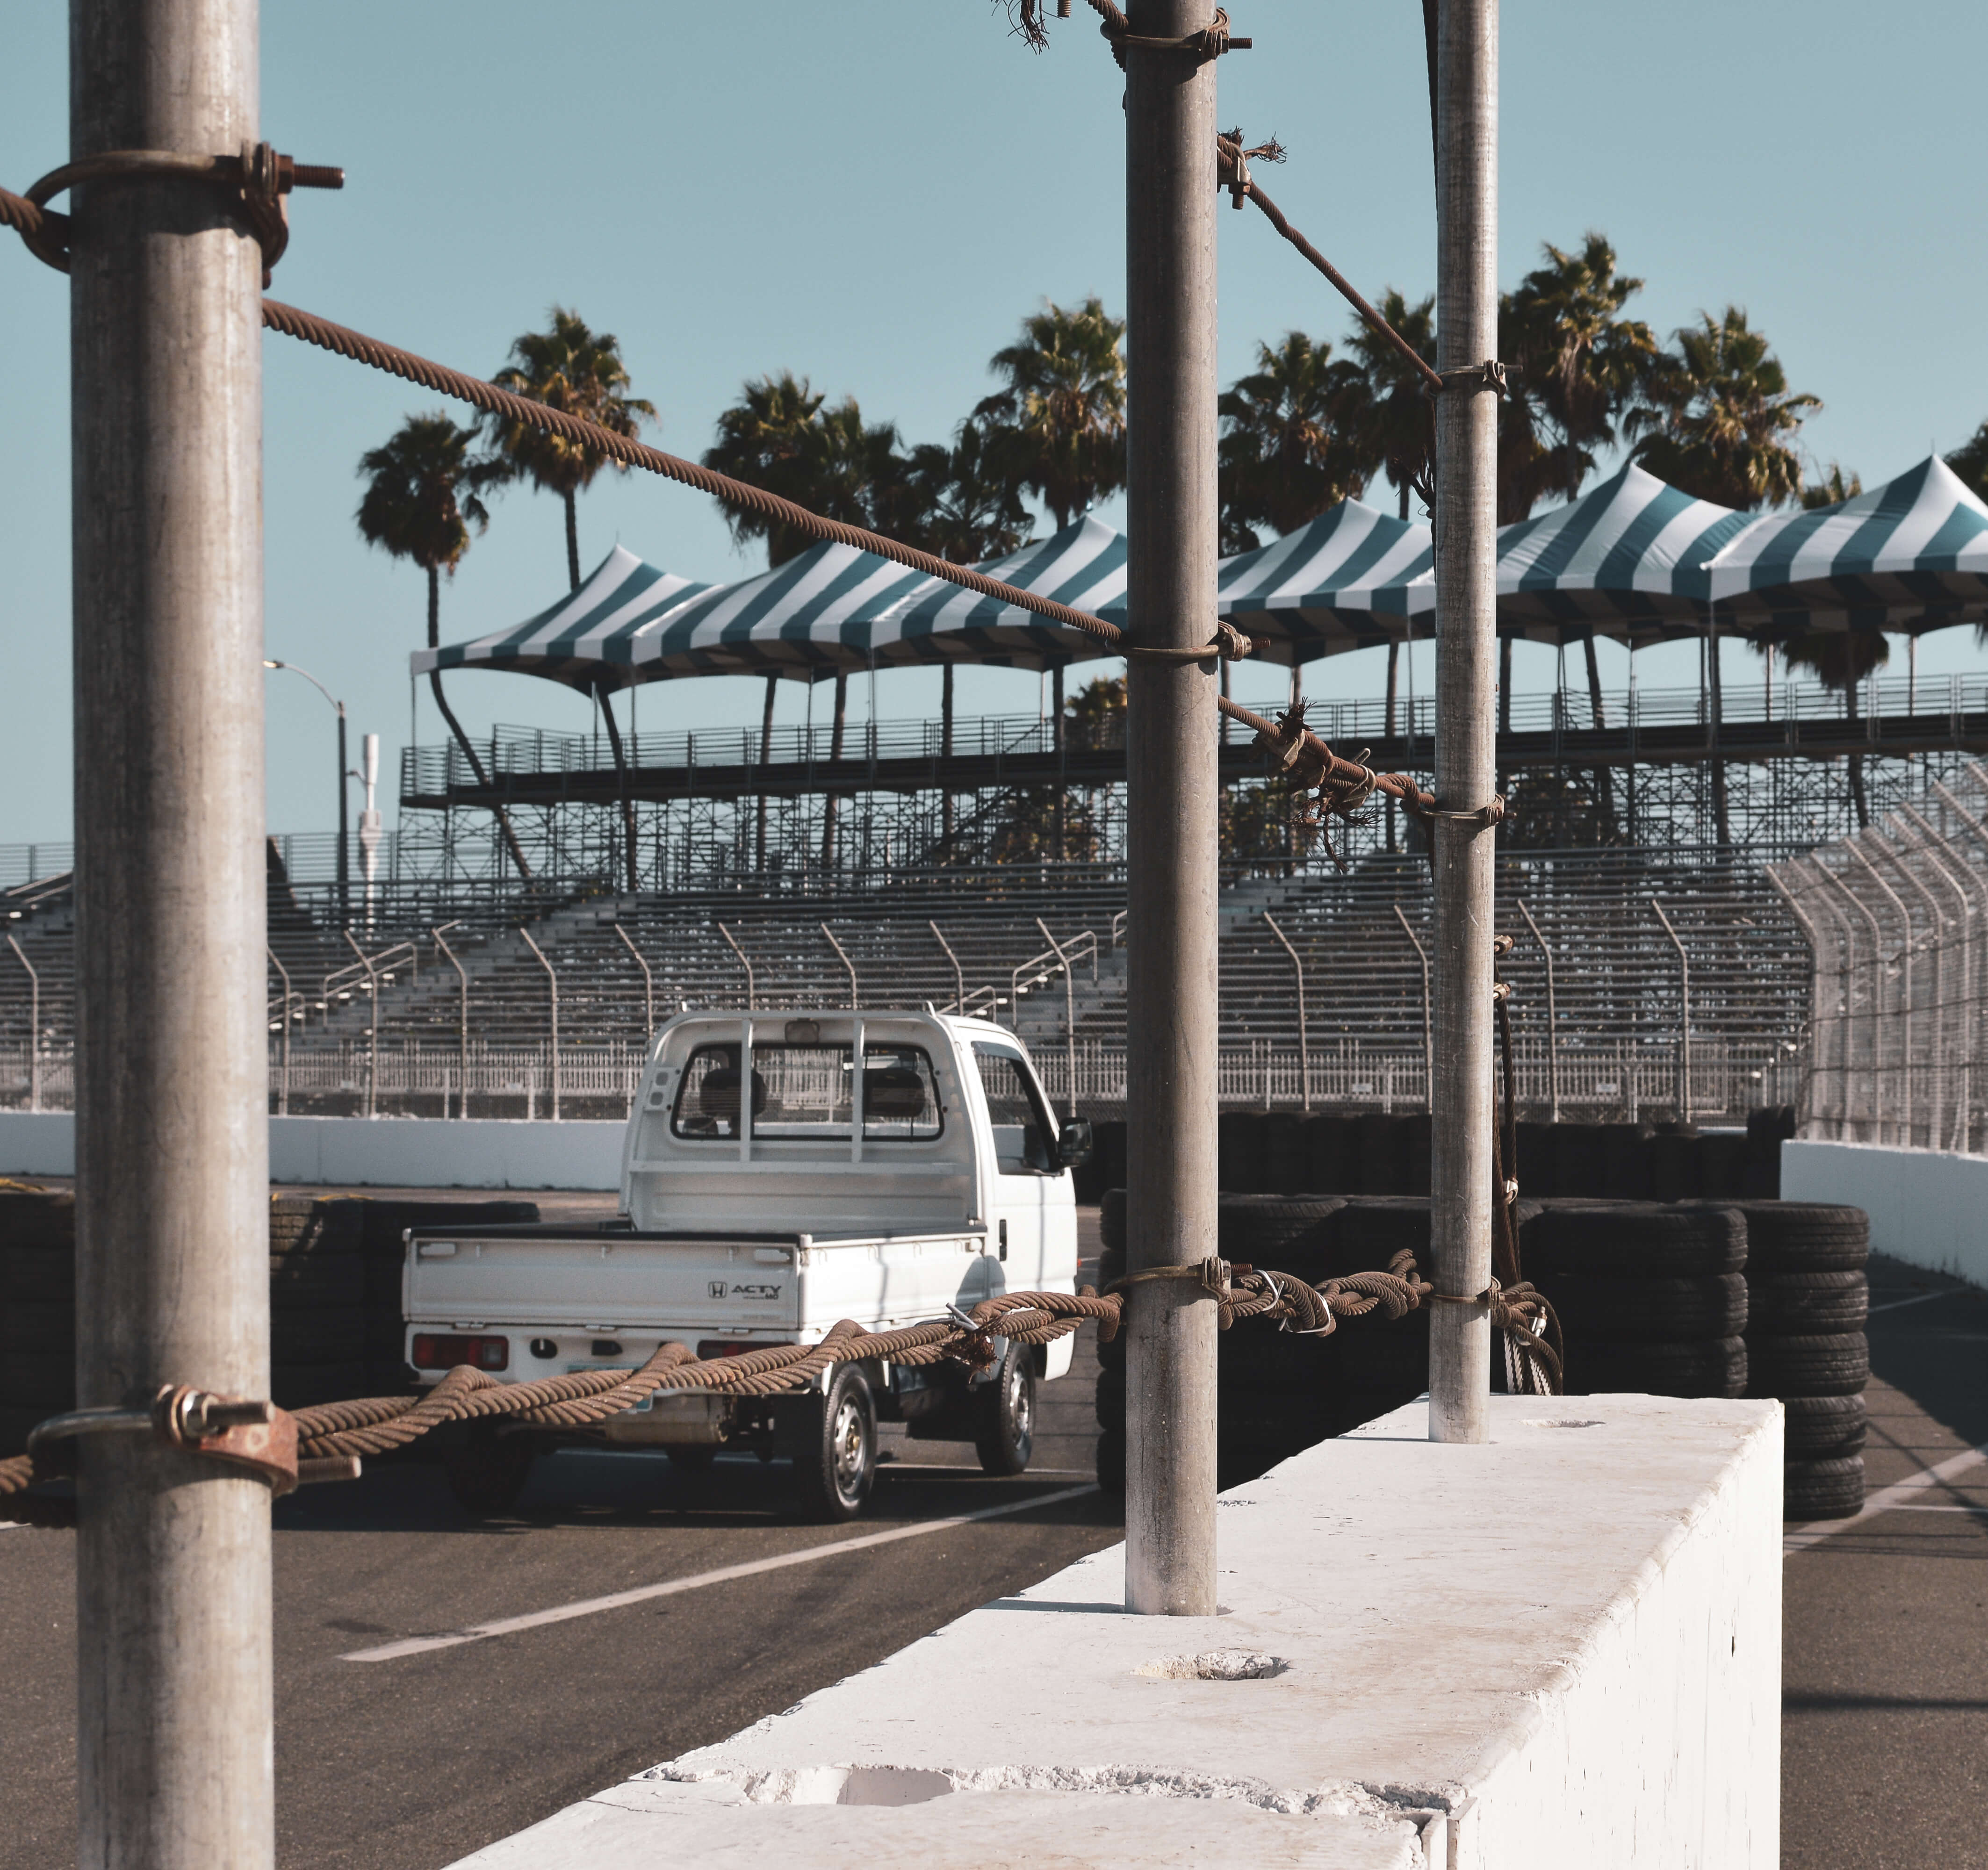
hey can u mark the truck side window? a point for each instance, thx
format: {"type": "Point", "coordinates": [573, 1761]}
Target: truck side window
{"type": "Point", "coordinates": [1024, 1137]}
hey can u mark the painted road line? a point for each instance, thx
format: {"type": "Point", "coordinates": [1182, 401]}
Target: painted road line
{"type": "Point", "coordinates": [589, 1607]}
{"type": "Point", "coordinates": [1897, 1494]}
{"type": "Point", "coordinates": [1918, 1299]}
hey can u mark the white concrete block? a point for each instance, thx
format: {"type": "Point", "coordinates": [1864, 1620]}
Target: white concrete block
{"type": "Point", "coordinates": [1557, 1651]}
{"type": "Point", "coordinates": [407, 1152]}
{"type": "Point", "coordinates": [1928, 1207]}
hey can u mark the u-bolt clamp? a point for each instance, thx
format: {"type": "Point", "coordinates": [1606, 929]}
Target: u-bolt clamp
{"type": "Point", "coordinates": [240, 1430]}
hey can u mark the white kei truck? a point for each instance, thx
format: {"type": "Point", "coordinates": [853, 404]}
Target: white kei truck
{"type": "Point", "coordinates": [934, 1176]}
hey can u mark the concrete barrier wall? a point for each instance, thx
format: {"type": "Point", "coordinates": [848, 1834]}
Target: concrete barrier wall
{"type": "Point", "coordinates": [401, 1152]}
{"type": "Point", "coordinates": [1928, 1207]}
{"type": "Point", "coordinates": [1559, 1651]}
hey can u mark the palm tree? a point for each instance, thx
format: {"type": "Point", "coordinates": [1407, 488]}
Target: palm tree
{"type": "Point", "coordinates": [1058, 425]}
{"type": "Point", "coordinates": [1580, 366]}
{"type": "Point", "coordinates": [420, 502]}
{"type": "Point", "coordinates": [580, 371]}
{"type": "Point", "coordinates": [1401, 435]}
{"type": "Point", "coordinates": [1296, 440]}
{"type": "Point", "coordinates": [781, 436]}
{"type": "Point", "coordinates": [1970, 461]}
{"type": "Point", "coordinates": [1838, 658]}
{"type": "Point", "coordinates": [1718, 422]}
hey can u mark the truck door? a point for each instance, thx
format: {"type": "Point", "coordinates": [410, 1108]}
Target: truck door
{"type": "Point", "coordinates": [1025, 1175]}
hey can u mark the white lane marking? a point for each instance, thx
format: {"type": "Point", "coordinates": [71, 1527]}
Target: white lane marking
{"type": "Point", "coordinates": [588, 1607]}
{"type": "Point", "coordinates": [1939, 1509]}
{"type": "Point", "coordinates": [1919, 1299]}
{"type": "Point", "coordinates": [1897, 1494]}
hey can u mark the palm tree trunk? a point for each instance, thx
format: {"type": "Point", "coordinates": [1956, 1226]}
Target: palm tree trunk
{"type": "Point", "coordinates": [945, 752]}
{"type": "Point", "coordinates": [455, 727]}
{"type": "Point", "coordinates": [766, 756]}
{"type": "Point", "coordinates": [1858, 803]}
{"type": "Point", "coordinates": [602, 694]}
{"type": "Point", "coordinates": [834, 754]}
{"type": "Point", "coordinates": [572, 538]}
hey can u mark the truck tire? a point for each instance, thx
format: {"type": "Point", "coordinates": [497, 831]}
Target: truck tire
{"type": "Point", "coordinates": [1805, 1236]}
{"type": "Point", "coordinates": [487, 1472]}
{"type": "Point", "coordinates": [1634, 1240]}
{"type": "Point", "coordinates": [835, 1449]}
{"type": "Point", "coordinates": [1832, 1489]}
{"type": "Point", "coordinates": [1699, 1367]}
{"type": "Point", "coordinates": [1004, 1414]}
{"type": "Point", "coordinates": [1827, 1364]}
{"type": "Point", "coordinates": [1713, 1305]}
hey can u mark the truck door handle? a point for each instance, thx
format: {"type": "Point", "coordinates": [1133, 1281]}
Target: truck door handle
{"type": "Point", "coordinates": [1004, 1239]}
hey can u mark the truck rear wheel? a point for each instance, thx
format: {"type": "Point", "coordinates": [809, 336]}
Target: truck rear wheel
{"type": "Point", "coordinates": [835, 1449]}
{"type": "Point", "coordinates": [1004, 1414]}
{"type": "Point", "coordinates": [488, 1472]}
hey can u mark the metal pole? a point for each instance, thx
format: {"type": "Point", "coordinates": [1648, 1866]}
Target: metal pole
{"type": "Point", "coordinates": [462, 1025]}
{"type": "Point", "coordinates": [1818, 1055]}
{"type": "Point", "coordinates": [648, 986]}
{"type": "Point", "coordinates": [372, 1043]}
{"type": "Point", "coordinates": [1909, 1058]}
{"type": "Point", "coordinates": [751, 1003]}
{"type": "Point", "coordinates": [1462, 850]}
{"type": "Point", "coordinates": [1305, 1039]}
{"type": "Point", "coordinates": [1938, 1007]}
{"type": "Point", "coordinates": [1552, 1016]}
{"type": "Point", "coordinates": [1069, 1017]}
{"type": "Point", "coordinates": [958, 977]}
{"type": "Point", "coordinates": [34, 1026]}
{"type": "Point", "coordinates": [855, 994]}
{"type": "Point", "coordinates": [1928, 839]}
{"type": "Point", "coordinates": [1171, 791]}
{"type": "Point", "coordinates": [283, 1086]}
{"type": "Point", "coordinates": [552, 978]}
{"type": "Point", "coordinates": [1683, 1015]}
{"type": "Point", "coordinates": [174, 1755]}
{"type": "Point", "coordinates": [1428, 1033]}
{"type": "Point", "coordinates": [1873, 999]}
{"type": "Point", "coordinates": [344, 832]}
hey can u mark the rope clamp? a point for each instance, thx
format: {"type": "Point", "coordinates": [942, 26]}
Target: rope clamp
{"type": "Point", "coordinates": [243, 1431]}
{"type": "Point", "coordinates": [1210, 42]}
{"type": "Point", "coordinates": [1483, 819]}
{"type": "Point", "coordinates": [1472, 378]}
{"type": "Point", "coordinates": [1228, 644]}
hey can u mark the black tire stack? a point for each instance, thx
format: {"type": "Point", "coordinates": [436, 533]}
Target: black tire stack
{"type": "Point", "coordinates": [1651, 1298]}
{"type": "Point", "coordinates": [1811, 1295]}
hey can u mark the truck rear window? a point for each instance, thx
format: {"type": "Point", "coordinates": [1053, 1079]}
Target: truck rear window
{"type": "Point", "coordinates": [802, 1093]}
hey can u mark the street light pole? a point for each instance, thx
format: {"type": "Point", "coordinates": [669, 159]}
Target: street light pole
{"type": "Point", "coordinates": [1465, 525]}
{"type": "Point", "coordinates": [344, 775]}
{"type": "Point", "coordinates": [174, 1768]}
{"type": "Point", "coordinates": [1171, 792]}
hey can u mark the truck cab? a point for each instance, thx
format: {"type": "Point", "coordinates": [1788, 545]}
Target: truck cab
{"type": "Point", "coordinates": [782, 1171]}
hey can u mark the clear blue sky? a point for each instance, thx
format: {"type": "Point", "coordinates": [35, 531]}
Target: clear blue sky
{"type": "Point", "coordinates": [875, 196]}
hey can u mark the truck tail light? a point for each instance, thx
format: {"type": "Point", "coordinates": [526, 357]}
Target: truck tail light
{"type": "Point", "coordinates": [439, 1351]}
{"type": "Point", "coordinates": [709, 1348]}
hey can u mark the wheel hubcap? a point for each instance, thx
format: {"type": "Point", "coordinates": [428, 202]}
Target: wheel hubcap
{"type": "Point", "coordinates": [847, 1444]}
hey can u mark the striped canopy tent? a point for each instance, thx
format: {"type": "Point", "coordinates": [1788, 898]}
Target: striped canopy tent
{"type": "Point", "coordinates": [1082, 566]}
{"type": "Point", "coordinates": [1908, 556]}
{"type": "Point", "coordinates": [1339, 582]}
{"type": "Point", "coordinates": [585, 639]}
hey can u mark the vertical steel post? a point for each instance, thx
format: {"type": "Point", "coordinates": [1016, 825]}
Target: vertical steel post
{"type": "Point", "coordinates": [174, 1756]}
{"type": "Point", "coordinates": [34, 1026]}
{"type": "Point", "coordinates": [1683, 1015]}
{"type": "Point", "coordinates": [1466, 676]}
{"type": "Point", "coordinates": [283, 1088]}
{"type": "Point", "coordinates": [373, 1040]}
{"type": "Point", "coordinates": [552, 984]}
{"type": "Point", "coordinates": [1171, 789]}
{"type": "Point", "coordinates": [461, 1025]}
{"type": "Point", "coordinates": [1553, 1015]}
{"type": "Point", "coordinates": [1304, 1034]}
{"type": "Point", "coordinates": [1428, 1030]}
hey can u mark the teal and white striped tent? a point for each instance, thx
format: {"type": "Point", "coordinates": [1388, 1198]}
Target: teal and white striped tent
{"type": "Point", "coordinates": [832, 608]}
{"type": "Point", "coordinates": [1339, 582]}
{"type": "Point", "coordinates": [1908, 556]}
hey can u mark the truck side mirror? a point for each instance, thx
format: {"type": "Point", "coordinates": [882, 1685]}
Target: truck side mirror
{"type": "Point", "coordinates": [1076, 1142]}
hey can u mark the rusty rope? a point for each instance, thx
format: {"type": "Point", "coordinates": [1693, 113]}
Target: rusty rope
{"type": "Point", "coordinates": [377, 1425]}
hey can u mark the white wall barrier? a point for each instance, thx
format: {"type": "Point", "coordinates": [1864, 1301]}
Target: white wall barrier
{"type": "Point", "coordinates": [1928, 1207]}
{"type": "Point", "coordinates": [401, 1152]}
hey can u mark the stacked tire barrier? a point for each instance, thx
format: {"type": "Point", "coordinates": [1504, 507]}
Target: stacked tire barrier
{"type": "Point", "coordinates": [1694, 1298]}
{"type": "Point", "coordinates": [1652, 1298]}
{"type": "Point", "coordinates": [335, 1324]}
{"type": "Point", "coordinates": [1809, 1295]}
{"type": "Point", "coordinates": [1277, 1392]}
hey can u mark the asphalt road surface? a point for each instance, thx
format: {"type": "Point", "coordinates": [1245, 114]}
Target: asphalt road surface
{"type": "Point", "coordinates": [1885, 1659]}
{"type": "Point", "coordinates": [408, 1763]}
